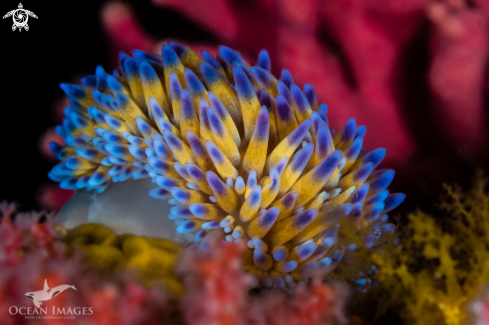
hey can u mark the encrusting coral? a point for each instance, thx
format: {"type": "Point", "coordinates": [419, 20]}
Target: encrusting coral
{"type": "Point", "coordinates": [437, 271]}
{"type": "Point", "coordinates": [216, 288]}
{"type": "Point", "coordinates": [237, 151]}
{"type": "Point", "coordinates": [152, 259]}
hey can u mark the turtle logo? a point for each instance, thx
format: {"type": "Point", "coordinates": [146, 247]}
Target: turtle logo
{"type": "Point", "coordinates": [20, 17]}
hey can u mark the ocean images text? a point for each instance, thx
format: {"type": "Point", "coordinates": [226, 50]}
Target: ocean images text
{"type": "Point", "coordinates": [14, 310]}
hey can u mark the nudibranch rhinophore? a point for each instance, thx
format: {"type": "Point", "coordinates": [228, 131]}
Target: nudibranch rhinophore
{"type": "Point", "coordinates": [236, 150]}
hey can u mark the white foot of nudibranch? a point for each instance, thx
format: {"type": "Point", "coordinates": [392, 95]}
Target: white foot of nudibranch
{"type": "Point", "coordinates": [124, 207]}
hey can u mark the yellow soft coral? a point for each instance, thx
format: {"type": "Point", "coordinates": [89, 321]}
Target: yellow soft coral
{"type": "Point", "coordinates": [152, 259]}
{"type": "Point", "coordinates": [438, 269]}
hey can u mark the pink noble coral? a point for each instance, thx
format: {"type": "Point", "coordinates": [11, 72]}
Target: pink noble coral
{"type": "Point", "coordinates": [359, 52]}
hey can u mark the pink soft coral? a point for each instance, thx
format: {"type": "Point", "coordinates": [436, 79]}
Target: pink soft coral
{"type": "Point", "coordinates": [317, 304]}
{"type": "Point", "coordinates": [217, 289]}
{"type": "Point", "coordinates": [22, 232]}
{"type": "Point", "coordinates": [119, 300]}
{"type": "Point", "coordinates": [30, 253]}
{"type": "Point", "coordinates": [216, 284]}
{"type": "Point", "coordinates": [217, 293]}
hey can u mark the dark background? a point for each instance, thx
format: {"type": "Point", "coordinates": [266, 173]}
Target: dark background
{"type": "Point", "coordinates": [61, 43]}
{"type": "Point", "coordinates": [66, 42]}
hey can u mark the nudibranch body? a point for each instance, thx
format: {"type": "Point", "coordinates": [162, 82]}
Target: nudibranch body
{"type": "Point", "coordinates": [236, 150]}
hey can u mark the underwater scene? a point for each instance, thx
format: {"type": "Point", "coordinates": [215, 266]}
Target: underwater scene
{"type": "Point", "coordinates": [255, 162]}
